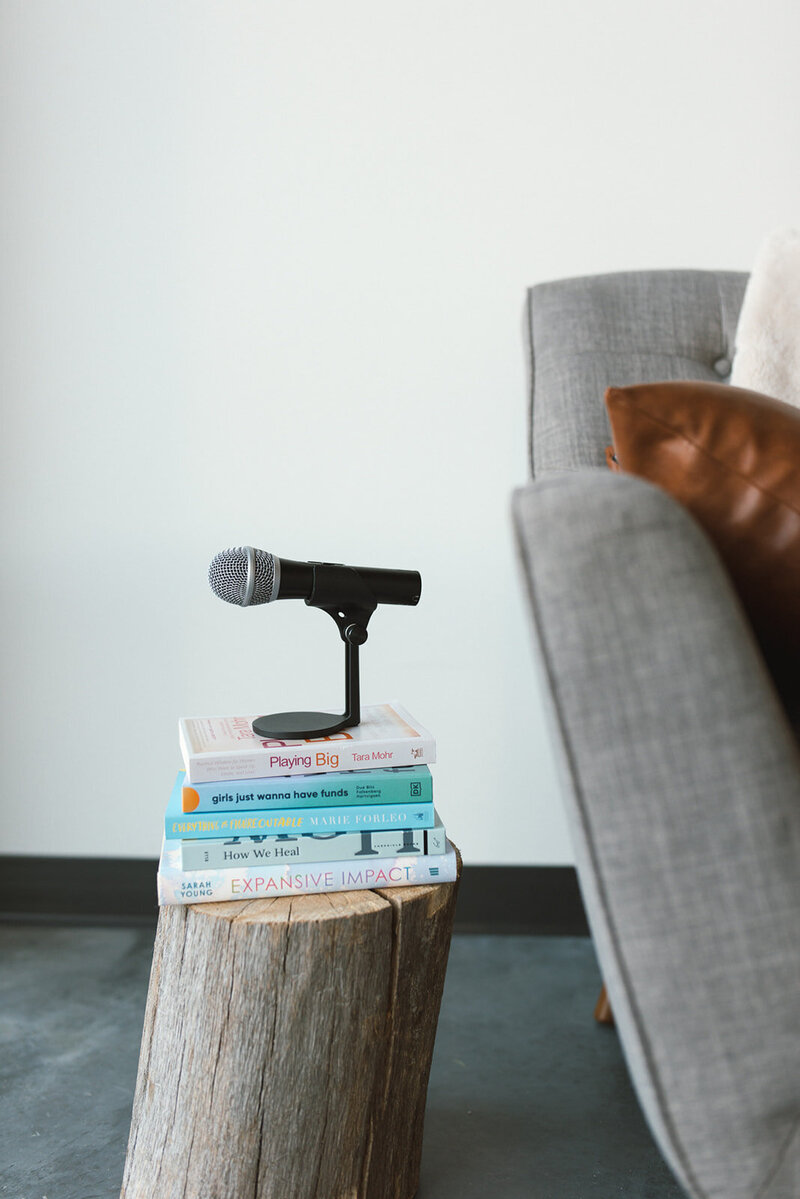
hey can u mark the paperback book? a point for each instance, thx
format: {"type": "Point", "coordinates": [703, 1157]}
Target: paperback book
{"type": "Point", "coordinates": [179, 825]}
{"type": "Point", "coordinates": [397, 784]}
{"type": "Point", "coordinates": [290, 848]}
{"type": "Point", "coordinates": [176, 885]}
{"type": "Point", "coordinates": [221, 748]}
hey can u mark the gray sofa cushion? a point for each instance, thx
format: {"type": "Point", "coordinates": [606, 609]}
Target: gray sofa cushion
{"type": "Point", "coordinates": [682, 784]}
{"type": "Point", "coordinates": [587, 334]}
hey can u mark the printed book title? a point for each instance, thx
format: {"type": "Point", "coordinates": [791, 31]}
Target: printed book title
{"type": "Point", "coordinates": [326, 879]}
{"type": "Point", "coordinates": [227, 797]}
{"type": "Point", "coordinates": [323, 759]}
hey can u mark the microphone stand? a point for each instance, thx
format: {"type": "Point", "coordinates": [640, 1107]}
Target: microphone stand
{"type": "Point", "coordinates": [342, 593]}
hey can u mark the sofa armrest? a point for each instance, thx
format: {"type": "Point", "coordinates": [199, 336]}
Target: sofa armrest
{"type": "Point", "coordinates": [682, 785]}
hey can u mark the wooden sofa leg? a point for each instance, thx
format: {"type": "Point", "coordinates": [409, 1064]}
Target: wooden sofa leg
{"type": "Point", "coordinates": [602, 1012]}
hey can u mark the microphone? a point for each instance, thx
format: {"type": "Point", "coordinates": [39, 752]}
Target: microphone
{"type": "Point", "coordinates": [247, 576]}
{"type": "Point", "coordinates": [350, 594]}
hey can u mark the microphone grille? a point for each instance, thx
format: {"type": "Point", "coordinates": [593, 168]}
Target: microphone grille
{"type": "Point", "coordinates": [243, 576]}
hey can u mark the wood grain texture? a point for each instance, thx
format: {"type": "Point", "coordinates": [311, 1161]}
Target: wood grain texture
{"type": "Point", "coordinates": [287, 1045]}
{"type": "Point", "coordinates": [423, 923]}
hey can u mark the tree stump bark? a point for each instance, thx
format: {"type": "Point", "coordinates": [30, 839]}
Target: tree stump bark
{"type": "Point", "coordinates": [287, 1046]}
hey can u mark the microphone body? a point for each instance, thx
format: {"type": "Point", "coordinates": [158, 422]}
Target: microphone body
{"type": "Point", "coordinates": [298, 580]}
{"type": "Point", "coordinates": [247, 576]}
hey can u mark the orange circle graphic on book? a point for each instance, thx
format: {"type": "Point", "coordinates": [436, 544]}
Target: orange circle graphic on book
{"type": "Point", "coordinates": [190, 799]}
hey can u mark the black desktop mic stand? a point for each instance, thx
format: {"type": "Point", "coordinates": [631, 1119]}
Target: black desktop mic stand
{"type": "Point", "coordinates": [342, 593]}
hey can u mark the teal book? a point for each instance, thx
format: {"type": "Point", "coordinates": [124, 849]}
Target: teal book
{"type": "Point", "coordinates": [394, 784]}
{"type": "Point", "coordinates": [265, 821]}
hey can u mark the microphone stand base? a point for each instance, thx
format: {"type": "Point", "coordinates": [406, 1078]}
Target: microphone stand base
{"type": "Point", "coordinates": [351, 620]}
{"type": "Point", "coordinates": [304, 726]}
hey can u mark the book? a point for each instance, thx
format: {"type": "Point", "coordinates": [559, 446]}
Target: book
{"type": "Point", "coordinates": [397, 784]}
{"type": "Point", "coordinates": [257, 882]}
{"type": "Point", "coordinates": [220, 748]}
{"type": "Point", "coordinates": [179, 825]}
{"type": "Point", "coordinates": [291, 848]}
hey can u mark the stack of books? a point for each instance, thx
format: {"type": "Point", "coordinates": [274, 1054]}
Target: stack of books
{"type": "Point", "coordinates": [251, 818]}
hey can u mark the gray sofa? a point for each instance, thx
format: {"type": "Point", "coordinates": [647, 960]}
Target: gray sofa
{"type": "Point", "coordinates": [680, 772]}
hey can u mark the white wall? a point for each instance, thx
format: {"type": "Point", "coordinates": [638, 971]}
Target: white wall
{"type": "Point", "coordinates": [263, 275]}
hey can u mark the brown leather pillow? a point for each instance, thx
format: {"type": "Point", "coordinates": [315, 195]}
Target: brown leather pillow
{"type": "Point", "coordinates": [732, 457]}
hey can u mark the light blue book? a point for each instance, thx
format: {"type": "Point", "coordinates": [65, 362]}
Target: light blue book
{"type": "Point", "coordinates": [266, 821]}
{"type": "Point", "coordinates": [394, 784]}
{"type": "Point", "coordinates": [332, 845]}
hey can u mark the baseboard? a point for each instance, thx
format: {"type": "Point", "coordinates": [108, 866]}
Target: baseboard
{"type": "Point", "coordinates": [543, 900]}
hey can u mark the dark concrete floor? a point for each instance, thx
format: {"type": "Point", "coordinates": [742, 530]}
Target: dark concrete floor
{"type": "Point", "coordinates": [528, 1098]}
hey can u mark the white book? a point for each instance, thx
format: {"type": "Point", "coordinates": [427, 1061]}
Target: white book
{"type": "Point", "coordinates": [259, 882]}
{"type": "Point", "coordinates": [216, 748]}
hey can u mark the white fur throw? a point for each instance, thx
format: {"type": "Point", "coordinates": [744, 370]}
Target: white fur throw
{"type": "Point", "coordinates": [767, 354]}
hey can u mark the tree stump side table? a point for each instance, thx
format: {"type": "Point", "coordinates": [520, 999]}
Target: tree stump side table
{"type": "Point", "coordinates": [287, 1046]}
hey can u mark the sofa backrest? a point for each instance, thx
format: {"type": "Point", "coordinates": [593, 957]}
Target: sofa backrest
{"type": "Point", "coordinates": [589, 333]}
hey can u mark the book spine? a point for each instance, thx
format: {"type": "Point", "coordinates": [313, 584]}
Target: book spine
{"type": "Point", "coordinates": [289, 849]}
{"type": "Point", "coordinates": [209, 886]}
{"type": "Point", "coordinates": [269, 762]}
{"type": "Point", "coordinates": [298, 820]}
{"type": "Point", "coordinates": [412, 785]}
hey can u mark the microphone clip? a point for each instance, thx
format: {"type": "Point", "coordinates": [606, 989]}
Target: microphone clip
{"type": "Point", "coordinates": [342, 593]}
